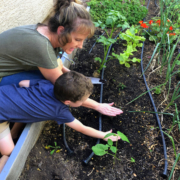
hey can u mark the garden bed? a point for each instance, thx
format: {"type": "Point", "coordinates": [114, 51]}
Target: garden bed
{"type": "Point", "coordinates": [141, 128]}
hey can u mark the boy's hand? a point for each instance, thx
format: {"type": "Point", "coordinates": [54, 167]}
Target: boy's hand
{"type": "Point", "coordinates": [113, 138]}
{"type": "Point", "coordinates": [108, 110]}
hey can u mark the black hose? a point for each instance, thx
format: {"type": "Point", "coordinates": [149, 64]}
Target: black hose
{"type": "Point", "coordinates": [155, 2]}
{"type": "Point", "coordinates": [164, 174]}
{"type": "Point", "coordinates": [95, 43]}
{"type": "Point", "coordinates": [101, 96]}
{"type": "Point", "coordinates": [65, 142]}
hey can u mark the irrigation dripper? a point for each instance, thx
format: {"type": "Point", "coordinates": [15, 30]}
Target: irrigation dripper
{"type": "Point", "coordinates": [70, 60]}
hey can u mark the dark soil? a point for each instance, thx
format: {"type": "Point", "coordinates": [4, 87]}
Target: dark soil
{"type": "Point", "coordinates": [140, 128]}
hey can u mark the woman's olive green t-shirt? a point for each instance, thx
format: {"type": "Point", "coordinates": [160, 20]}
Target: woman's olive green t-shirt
{"type": "Point", "coordinates": [24, 48]}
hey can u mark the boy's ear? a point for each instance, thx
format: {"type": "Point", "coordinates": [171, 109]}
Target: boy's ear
{"type": "Point", "coordinates": [67, 102]}
{"type": "Point", "coordinates": [60, 29]}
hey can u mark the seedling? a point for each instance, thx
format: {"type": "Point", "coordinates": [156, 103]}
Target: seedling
{"type": "Point", "coordinates": [121, 86]}
{"type": "Point", "coordinates": [101, 149]}
{"type": "Point", "coordinates": [55, 148]}
{"type": "Point", "coordinates": [157, 90]}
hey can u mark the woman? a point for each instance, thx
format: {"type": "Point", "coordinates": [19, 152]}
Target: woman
{"type": "Point", "coordinates": [25, 48]}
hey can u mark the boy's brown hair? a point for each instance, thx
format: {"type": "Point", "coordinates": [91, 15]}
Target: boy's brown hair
{"type": "Point", "coordinates": [72, 86]}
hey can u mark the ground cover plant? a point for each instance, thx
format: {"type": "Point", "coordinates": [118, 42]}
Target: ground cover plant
{"type": "Point", "coordinates": [132, 10]}
{"type": "Point", "coordinates": [145, 148]}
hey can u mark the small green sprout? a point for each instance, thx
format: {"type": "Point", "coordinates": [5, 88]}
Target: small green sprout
{"type": "Point", "coordinates": [157, 90]}
{"type": "Point", "coordinates": [132, 160]}
{"type": "Point", "coordinates": [55, 148]}
{"type": "Point", "coordinates": [121, 86]}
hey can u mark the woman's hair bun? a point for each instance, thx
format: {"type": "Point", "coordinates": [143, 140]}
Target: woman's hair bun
{"type": "Point", "coordinates": [64, 3]}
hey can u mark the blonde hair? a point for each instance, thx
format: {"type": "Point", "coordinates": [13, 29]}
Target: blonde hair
{"type": "Point", "coordinates": [72, 15]}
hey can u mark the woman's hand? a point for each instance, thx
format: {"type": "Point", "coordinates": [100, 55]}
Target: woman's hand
{"type": "Point", "coordinates": [113, 138]}
{"type": "Point", "coordinates": [108, 110]}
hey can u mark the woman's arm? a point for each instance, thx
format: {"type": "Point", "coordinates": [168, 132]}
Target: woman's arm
{"type": "Point", "coordinates": [65, 69]}
{"type": "Point", "coordinates": [103, 108]}
{"type": "Point", "coordinates": [51, 74]}
{"type": "Point", "coordinates": [78, 126]}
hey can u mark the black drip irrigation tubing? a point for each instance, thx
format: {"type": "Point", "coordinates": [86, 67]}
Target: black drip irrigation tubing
{"type": "Point", "coordinates": [101, 96]}
{"type": "Point", "coordinates": [164, 174]}
{"type": "Point", "coordinates": [155, 2]}
{"type": "Point", "coordinates": [95, 43]}
{"type": "Point", "coordinates": [70, 152]}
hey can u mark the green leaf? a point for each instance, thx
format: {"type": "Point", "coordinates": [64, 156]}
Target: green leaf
{"type": "Point", "coordinates": [125, 25]}
{"type": "Point", "coordinates": [98, 59]}
{"type": "Point", "coordinates": [123, 137]}
{"type": "Point", "coordinates": [50, 146]}
{"type": "Point", "coordinates": [159, 35]}
{"type": "Point", "coordinates": [52, 152]}
{"type": "Point", "coordinates": [178, 62]}
{"type": "Point", "coordinates": [109, 134]}
{"type": "Point", "coordinates": [100, 149]}
{"type": "Point", "coordinates": [158, 90]}
{"type": "Point", "coordinates": [136, 60]}
{"type": "Point", "coordinates": [152, 38]}
{"type": "Point", "coordinates": [113, 149]}
{"type": "Point", "coordinates": [55, 143]}
{"type": "Point", "coordinates": [132, 160]}
{"type": "Point", "coordinates": [110, 142]}
{"type": "Point", "coordinates": [127, 65]}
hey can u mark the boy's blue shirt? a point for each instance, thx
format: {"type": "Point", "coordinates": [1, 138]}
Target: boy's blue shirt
{"type": "Point", "coordinates": [33, 104]}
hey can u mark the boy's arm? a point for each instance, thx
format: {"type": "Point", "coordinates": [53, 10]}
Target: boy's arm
{"type": "Point", "coordinates": [28, 83]}
{"type": "Point", "coordinates": [78, 126]}
{"type": "Point", "coordinates": [24, 83]}
{"type": "Point", "coordinates": [103, 108]}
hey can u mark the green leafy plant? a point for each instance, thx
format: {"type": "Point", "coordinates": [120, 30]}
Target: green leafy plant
{"type": "Point", "coordinates": [112, 18]}
{"type": "Point", "coordinates": [101, 149]}
{"type": "Point", "coordinates": [55, 148]}
{"type": "Point", "coordinates": [132, 10]}
{"type": "Point", "coordinates": [133, 41]}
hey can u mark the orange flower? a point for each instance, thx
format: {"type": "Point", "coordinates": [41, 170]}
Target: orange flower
{"type": "Point", "coordinates": [144, 25]}
{"type": "Point", "coordinates": [168, 20]}
{"type": "Point", "coordinates": [150, 22]}
{"type": "Point", "coordinates": [167, 32]}
{"type": "Point", "coordinates": [172, 34]}
{"type": "Point", "coordinates": [140, 22]}
{"type": "Point", "coordinates": [171, 28]}
{"type": "Point", "coordinates": [158, 21]}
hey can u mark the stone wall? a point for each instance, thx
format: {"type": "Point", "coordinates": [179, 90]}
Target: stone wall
{"type": "Point", "coordinates": [22, 12]}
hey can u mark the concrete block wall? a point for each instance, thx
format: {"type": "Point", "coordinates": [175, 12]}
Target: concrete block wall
{"type": "Point", "coordinates": [23, 12]}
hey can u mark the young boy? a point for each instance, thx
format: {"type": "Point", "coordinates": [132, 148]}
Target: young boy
{"type": "Point", "coordinates": [39, 100]}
